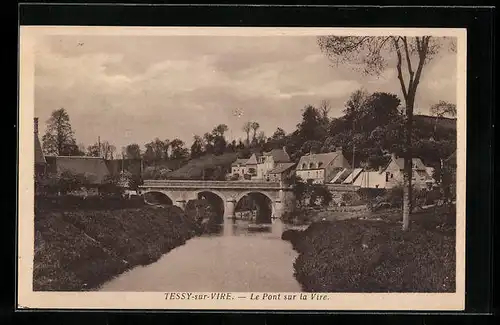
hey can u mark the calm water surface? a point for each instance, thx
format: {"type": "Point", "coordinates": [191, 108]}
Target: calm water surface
{"type": "Point", "coordinates": [241, 257]}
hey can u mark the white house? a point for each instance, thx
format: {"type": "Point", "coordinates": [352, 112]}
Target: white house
{"type": "Point", "coordinates": [321, 167]}
{"type": "Point", "coordinates": [238, 168]}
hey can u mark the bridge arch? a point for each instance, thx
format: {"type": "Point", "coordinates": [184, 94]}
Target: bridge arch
{"type": "Point", "coordinates": [259, 202]}
{"type": "Point", "coordinates": [158, 198]}
{"type": "Point", "coordinates": [216, 200]}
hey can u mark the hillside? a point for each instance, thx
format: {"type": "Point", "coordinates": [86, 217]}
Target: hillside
{"type": "Point", "coordinates": [209, 166]}
{"type": "Point", "coordinates": [443, 122]}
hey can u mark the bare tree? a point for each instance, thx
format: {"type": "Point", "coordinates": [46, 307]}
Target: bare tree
{"type": "Point", "coordinates": [373, 55]}
{"type": "Point", "coordinates": [325, 108]}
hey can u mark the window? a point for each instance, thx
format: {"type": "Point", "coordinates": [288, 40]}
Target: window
{"type": "Point", "coordinates": [311, 166]}
{"type": "Point", "coordinates": [303, 166]}
{"type": "Point", "coordinates": [320, 164]}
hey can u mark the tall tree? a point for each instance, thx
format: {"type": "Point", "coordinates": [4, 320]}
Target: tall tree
{"type": "Point", "coordinates": [325, 109]}
{"type": "Point", "coordinates": [59, 138]}
{"type": "Point", "coordinates": [197, 147]}
{"type": "Point", "coordinates": [255, 126]}
{"type": "Point", "coordinates": [374, 54]}
{"type": "Point", "coordinates": [133, 151]}
{"type": "Point", "coordinates": [311, 127]}
{"type": "Point", "coordinates": [247, 127]}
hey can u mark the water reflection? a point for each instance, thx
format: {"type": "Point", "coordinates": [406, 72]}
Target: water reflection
{"type": "Point", "coordinates": [237, 255]}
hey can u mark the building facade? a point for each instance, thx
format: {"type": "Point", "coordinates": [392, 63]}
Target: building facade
{"type": "Point", "coordinates": [321, 168]}
{"type": "Point", "coordinates": [270, 160]}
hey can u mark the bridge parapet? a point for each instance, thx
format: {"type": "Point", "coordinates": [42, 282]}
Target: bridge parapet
{"type": "Point", "coordinates": [195, 184]}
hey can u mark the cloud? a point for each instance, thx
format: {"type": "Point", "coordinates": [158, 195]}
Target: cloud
{"type": "Point", "coordinates": [133, 89]}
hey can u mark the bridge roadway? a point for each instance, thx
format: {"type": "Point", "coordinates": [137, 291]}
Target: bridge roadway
{"type": "Point", "coordinates": [230, 192]}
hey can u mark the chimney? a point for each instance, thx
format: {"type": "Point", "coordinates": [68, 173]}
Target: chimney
{"type": "Point", "coordinates": [36, 126]}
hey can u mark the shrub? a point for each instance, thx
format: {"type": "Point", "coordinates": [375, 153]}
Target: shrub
{"type": "Point", "coordinates": [369, 256]}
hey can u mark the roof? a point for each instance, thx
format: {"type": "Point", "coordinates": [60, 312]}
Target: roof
{"type": "Point", "coordinates": [253, 159]}
{"type": "Point", "coordinates": [342, 175]}
{"type": "Point", "coordinates": [425, 175]}
{"type": "Point", "coordinates": [39, 157]}
{"type": "Point", "coordinates": [352, 176]}
{"type": "Point", "coordinates": [400, 162]}
{"type": "Point", "coordinates": [279, 155]}
{"type": "Point", "coordinates": [239, 162]}
{"type": "Point", "coordinates": [283, 168]}
{"type": "Point", "coordinates": [323, 158]}
{"type": "Point", "coordinates": [93, 167]}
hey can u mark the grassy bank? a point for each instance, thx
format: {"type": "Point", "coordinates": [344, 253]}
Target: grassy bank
{"type": "Point", "coordinates": [82, 249]}
{"type": "Point", "coordinates": [355, 255]}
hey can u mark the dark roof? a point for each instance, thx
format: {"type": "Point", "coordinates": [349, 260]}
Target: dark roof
{"type": "Point", "coordinates": [283, 168]}
{"type": "Point", "coordinates": [93, 167]}
{"type": "Point", "coordinates": [279, 155]}
{"type": "Point", "coordinates": [323, 158]}
{"type": "Point", "coordinates": [239, 162]}
{"type": "Point", "coordinates": [39, 157]}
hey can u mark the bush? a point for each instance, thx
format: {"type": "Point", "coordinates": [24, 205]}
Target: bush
{"type": "Point", "coordinates": [369, 256]}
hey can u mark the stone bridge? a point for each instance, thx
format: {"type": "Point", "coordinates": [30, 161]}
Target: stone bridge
{"type": "Point", "coordinates": [230, 192]}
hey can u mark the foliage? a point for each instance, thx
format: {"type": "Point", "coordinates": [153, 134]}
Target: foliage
{"type": "Point", "coordinates": [369, 256]}
{"type": "Point", "coordinates": [133, 151]}
{"type": "Point", "coordinates": [59, 138]}
{"type": "Point", "coordinates": [373, 55]}
{"type": "Point", "coordinates": [307, 192]}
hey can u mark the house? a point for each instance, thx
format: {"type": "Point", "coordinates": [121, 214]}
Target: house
{"type": "Point", "coordinates": [270, 160]}
{"type": "Point", "coordinates": [238, 168]}
{"type": "Point", "coordinates": [94, 169]}
{"type": "Point", "coordinates": [281, 172]}
{"type": "Point", "coordinates": [321, 168]}
{"type": "Point", "coordinates": [251, 164]}
{"type": "Point", "coordinates": [394, 173]}
{"type": "Point", "coordinates": [40, 161]}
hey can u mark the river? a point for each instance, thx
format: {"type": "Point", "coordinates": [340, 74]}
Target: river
{"type": "Point", "coordinates": [240, 257]}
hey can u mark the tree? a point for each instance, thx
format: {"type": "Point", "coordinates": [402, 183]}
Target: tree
{"type": "Point", "coordinates": [197, 147]}
{"type": "Point", "coordinates": [373, 54]}
{"type": "Point", "coordinates": [441, 110]}
{"type": "Point", "coordinates": [325, 108]}
{"type": "Point", "coordinates": [311, 127]}
{"type": "Point", "coordinates": [133, 151]}
{"type": "Point", "coordinates": [107, 150]}
{"type": "Point", "coordinates": [255, 126]}
{"type": "Point", "coordinates": [155, 151]}
{"type": "Point", "coordinates": [247, 127]}
{"type": "Point", "coordinates": [59, 136]}
{"type": "Point", "coordinates": [178, 150]}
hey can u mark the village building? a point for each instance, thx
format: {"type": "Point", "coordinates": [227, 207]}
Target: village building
{"type": "Point", "coordinates": [270, 160]}
{"type": "Point", "coordinates": [238, 168]}
{"type": "Point", "coordinates": [94, 169]}
{"type": "Point", "coordinates": [281, 173]}
{"type": "Point", "coordinates": [390, 176]}
{"type": "Point", "coordinates": [251, 165]}
{"type": "Point", "coordinates": [321, 168]}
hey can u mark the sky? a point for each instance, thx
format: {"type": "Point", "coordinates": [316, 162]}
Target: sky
{"type": "Point", "coordinates": [132, 89]}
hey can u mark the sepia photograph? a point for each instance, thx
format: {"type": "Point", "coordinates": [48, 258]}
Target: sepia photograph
{"type": "Point", "coordinates": [242, 168]}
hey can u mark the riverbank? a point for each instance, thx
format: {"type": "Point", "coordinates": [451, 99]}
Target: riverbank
{"type": "Point", "coordinates": [373, 254]}
{"type": "Point", "coordinates": [81, 249]}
